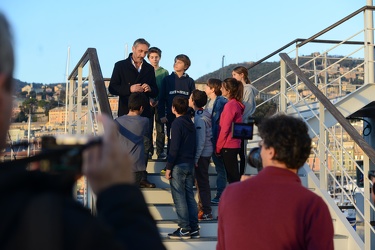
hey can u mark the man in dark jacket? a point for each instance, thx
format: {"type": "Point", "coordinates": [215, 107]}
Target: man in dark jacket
{"type": "Point", "coordinates": [131, 75]}
{"type": "Point", "coordinates": [37, 210]}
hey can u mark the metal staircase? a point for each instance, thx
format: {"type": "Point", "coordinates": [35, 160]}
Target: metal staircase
{"type": "Point", "coordinates": [319, 94]}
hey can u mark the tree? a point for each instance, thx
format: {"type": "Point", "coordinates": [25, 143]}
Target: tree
{"type": "Point", "coordinates": [21, 117]}
{"type": "Point", "coordinates": [265, 110]}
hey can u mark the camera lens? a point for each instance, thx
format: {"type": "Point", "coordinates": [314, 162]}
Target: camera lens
{"type": "Point", "coordinates": [254, 159]}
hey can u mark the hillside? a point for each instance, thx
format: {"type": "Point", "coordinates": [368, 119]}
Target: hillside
{"type": "Point", "coordinates": [254, 73]}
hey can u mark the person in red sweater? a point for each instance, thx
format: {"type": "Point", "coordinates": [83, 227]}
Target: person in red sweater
{"type": "Point", "coordinates": [273, 210]}
{"type": "Point", "coordinates": [228, 147]}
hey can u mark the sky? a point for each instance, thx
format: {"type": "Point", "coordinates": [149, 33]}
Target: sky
{"type": "Point", "coordinates": [205, 30]}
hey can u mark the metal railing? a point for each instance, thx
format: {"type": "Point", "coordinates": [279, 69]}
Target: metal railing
{"type": "Point", "coordinates": [86, 85]}
{"type": "Point", "coordinates": [311, 87]}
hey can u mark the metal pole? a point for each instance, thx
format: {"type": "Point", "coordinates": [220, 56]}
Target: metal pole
{"type": "Point", "coordinates": [369, 61]}
{"type": "Point", "coordinates": [222, 67]}
{"type": "Point", "coordinates": [66, 91]}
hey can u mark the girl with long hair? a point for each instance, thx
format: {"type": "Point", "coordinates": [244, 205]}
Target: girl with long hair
{"type": "Point", "coordinates": [227, 146]}
{"type": "Point", "coordinates": [241, 74]}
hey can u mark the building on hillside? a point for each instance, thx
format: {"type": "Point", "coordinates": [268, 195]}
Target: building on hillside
{"type": "Point", "coordinates": [113, 103]}
{"type": "Point", "coordinates": [27, 88]}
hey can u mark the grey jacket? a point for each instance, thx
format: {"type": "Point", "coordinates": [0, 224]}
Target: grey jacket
{"type": "Point", "coordinates": [203, 126]}
{"type": "Point", "coordinates": [249, 95]}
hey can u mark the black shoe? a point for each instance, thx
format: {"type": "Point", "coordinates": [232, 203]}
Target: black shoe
{"type": "Point", "coordinates": [179, 234]}
{"type": "Point", "coordinates": [150, 155]}
{"type": "Point", "coordinates": [194, 234]}
{"type": "Point", "coordinates": [162, 156]}
{"type": "Point", "coordinates": [146, 184]}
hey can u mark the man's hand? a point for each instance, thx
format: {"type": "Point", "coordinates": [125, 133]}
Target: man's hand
{"type": "Point", "coordinates": [153, 103]}
{"type": "Point", "coordinates": [146, 87]}
{"type": "Point", "coordinates": [136, 88]}
{"type": "Point", "coordinates": [107, 164]}
{"type": "Point", "coordinates": [163, 120]}
{"type": "Point", "coordinates": [245, 177]}
{"type": "Point", "coordinates": [168, 174]}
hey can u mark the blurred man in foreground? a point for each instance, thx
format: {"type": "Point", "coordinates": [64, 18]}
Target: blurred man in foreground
{"type": "Point", "coordinates": [273, 210]}
{"type": "Point", "coordinates": [37, 210]}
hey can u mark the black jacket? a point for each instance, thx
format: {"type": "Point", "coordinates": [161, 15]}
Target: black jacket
{"type": "Point", "coordinates": [125, 75]}
{"type": "Point", "coordinates": [183, 142]}
{"type": "Point", "coordinates": [123, 220]}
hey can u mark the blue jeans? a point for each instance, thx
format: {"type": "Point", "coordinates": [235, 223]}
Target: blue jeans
{"type": "Point", "coordinates": [221, 180]}
{"type": "Point", "coordinates": [183, 196]}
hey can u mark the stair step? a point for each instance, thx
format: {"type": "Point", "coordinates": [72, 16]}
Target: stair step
{"type": "Point", "coordinates": [161, 182]}
{"type": "Point", "coordinates": [168, 212]}
{"type": "Point", "coordinates": [154, 166]}
{"type": "Point", "coordinates": [207, 228]}
{"type": "Point", "coordinates": [340, 242]}
{"type": "Point", "coordinates": [206, 243]}
{"type": "Point", "coordinates": [164, 195]}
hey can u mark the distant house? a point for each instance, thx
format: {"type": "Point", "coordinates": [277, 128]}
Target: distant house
{"type": "Point", "coordinates": [39, 96]}
{"type": "Point", "coordinates": [49, 90]}
{"type": "Point", "coordinates": [27, 88]}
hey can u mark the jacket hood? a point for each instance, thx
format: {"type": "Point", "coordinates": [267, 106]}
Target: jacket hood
{"type": "Point", "coordinates": [242, 106]}
{"type": "Point", "coordinates": [206, 116]}
{"type": "Point", "coordinates": [187, 122]}
{"type": "Point", "coordinates": [183, 76]}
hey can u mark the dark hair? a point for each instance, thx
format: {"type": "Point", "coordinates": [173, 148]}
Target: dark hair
{"type": "Point", "coordinates": [137, 100]}
{"type": "Point", "coordinates": [289, 137]}
{"type": "Point", "coordinates": [141, 41]}
{"type": "Point", "coordinates": [243, 70]}
{"type": "Point", "coordinates": [199, 98]}
{"type": "Point", "coordinates": [185, 59]}
{"type": "Point", "coordinates": [180, 104]}
{"type": "Point", "coordinates": [215, 84]}
{"type": "Point", "coordinates": [154, 50]}
{"type": "Point", "coordinates": [234, 87]}
{"type": "Point", "coordinates": [6, 53]}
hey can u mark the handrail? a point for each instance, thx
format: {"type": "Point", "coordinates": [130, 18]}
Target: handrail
{"type": "Point", "coordinates": [367, 149]}
{"type": "Point", "coordinates": [312, 38]}
{"type": "Point", "coordinates": [91, 56]}
{"type": "Point", "coordinates": [336, 24]}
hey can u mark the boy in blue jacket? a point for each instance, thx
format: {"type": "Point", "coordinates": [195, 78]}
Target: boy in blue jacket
{"type": "Point", "coordinates": [204, 150]}
{"type": "Point", "coordinates": [180, 171]}
{"type": "Point", "coordinates": [178, 83]}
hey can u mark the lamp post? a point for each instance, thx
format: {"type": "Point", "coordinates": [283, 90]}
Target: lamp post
{"type": "Point", "coordinates": [222, 67]}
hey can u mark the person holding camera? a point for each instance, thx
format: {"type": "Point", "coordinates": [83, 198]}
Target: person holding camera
{"type": "Point", "coordinates": [226, 146]}
{"type": "Point", "coordinates": [37, 210]}
{"type": "Point", "coordinates": [273, 210]}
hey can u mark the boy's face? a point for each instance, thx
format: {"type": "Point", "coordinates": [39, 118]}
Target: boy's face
{"type": "Point", "coordinates": [179, 66]}
{"type": "Point", "coordinates": [154, 59]}
{"type": "Point", "coordinates": [209, 91]}
{"type": "Point", "coordinates": [191, 103]}
{"type": "Point", "coordinates": [174, 110]}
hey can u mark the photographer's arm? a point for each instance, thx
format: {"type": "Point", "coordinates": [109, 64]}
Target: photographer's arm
{"type": "Point", "coordinates": [120, 203]}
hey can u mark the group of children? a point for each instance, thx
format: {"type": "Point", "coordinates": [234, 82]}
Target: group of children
{"type": "Point", "coordinates": [192, 143]}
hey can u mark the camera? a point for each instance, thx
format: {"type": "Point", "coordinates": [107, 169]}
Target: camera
{"type": "Point", "coordinates": [254, 159]}
{"type": "Point", "coordinates": [64, 152]}
{"type": "Point", "coordinates": [243, 130]}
